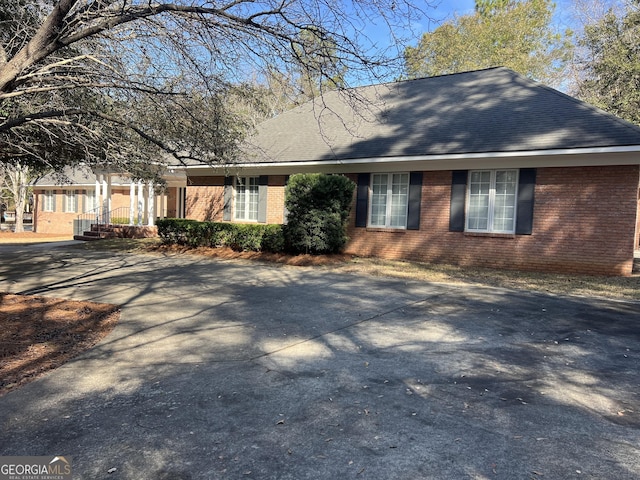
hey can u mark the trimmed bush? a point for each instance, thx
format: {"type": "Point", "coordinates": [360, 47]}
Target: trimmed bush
{"type": "Point", "coordinates": [240, 237]}
{"type": "Point", "coordinates": [318, 207]}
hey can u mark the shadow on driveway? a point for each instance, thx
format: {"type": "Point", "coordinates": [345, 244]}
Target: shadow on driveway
{"type": "Point", "coordinates": [241, 370]}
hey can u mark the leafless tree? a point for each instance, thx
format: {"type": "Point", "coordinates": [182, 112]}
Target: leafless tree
{"type": "Point", "coordinates": [15, 179]}
{"type": "Point", "coordinates": [132, 80]}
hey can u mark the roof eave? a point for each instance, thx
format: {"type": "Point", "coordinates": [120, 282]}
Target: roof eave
{"type": "Point", "coordinates": [574, 157]}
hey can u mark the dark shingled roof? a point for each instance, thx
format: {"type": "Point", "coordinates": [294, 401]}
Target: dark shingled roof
{"type": "Point", "coordinates": [485, 111]}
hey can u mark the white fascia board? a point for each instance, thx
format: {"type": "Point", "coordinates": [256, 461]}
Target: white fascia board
{"type": "Point", "coordinates": [579, 157]}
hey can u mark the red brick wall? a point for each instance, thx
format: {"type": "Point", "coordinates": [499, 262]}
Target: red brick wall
{"type": "Point", "coordinates": [275, 199]}
{"type": "Point", "coordinates": [584, 222]}
{"type": "Point", "coordinates": [205, 203]}
{"type": "Point", "coordinates": [205, 199]}
{"type": "Point", "coordinates": [60, 222]}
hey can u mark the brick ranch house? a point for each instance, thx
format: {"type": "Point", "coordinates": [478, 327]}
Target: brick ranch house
{"type": "Point", "coordinates": [484, 168]}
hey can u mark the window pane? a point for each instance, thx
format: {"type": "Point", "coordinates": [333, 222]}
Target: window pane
{"type": "Point", "coordinates": [505, 201]}
{"type": "Point", "coordinates": [378, 200]}
{"type": "Point", "coordinates": [48, 201]}
{"type": "Point", "coordinates": [478, 206]}
{"type": "Point", "coordinates": [399, 200]}
{"type": "Point", "coordinates": [492, 200]}
{"type": "Point", "coordinates": [252, 206]}
{"type": "Point", "coordinates": [389, 200]}
{"type": "Point", "coordinates": [246, 204]}
{"type": "Point", "coordinates": [91, 202]}
{"type": "Point", "coordinates": [241, 198]}
{"type": "Point", "coordinates": [70, 201]}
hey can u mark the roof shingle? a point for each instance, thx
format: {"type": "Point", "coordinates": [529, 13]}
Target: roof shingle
{"type": "Point", "coordinates": [484, 111]}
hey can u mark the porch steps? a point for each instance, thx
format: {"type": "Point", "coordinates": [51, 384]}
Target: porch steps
{"type": "Point", "coordinates": [98, 232]}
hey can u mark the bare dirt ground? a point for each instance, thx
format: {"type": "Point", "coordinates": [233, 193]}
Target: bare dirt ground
{"type": "Point", "coordinates": [39, 334]}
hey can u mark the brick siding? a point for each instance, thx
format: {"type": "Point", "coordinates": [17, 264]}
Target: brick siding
{"type": "Point", "coordinates": [205, 199]}
{"type": "Point", "coordinates": [61, 222]}
{"type": "Point", "coordinates": [585, 221]}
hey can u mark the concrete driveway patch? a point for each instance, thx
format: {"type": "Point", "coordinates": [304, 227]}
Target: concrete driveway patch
{"type": "Point", "coordinates": [243, 370]}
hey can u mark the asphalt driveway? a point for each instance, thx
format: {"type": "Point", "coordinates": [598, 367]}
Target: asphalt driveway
{"type": "Point", "coordinates": [242, 370]}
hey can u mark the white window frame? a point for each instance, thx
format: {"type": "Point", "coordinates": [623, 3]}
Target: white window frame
{"type": "Point", "coordinates": [389, 215]}
{"type": "Point", "coordinates": [71, 201]}
{"type": "Point", "coordinates": [48, 200]}
{"type": "Point", "coordinates": [490, 228]}
{"type": "Point", "coordinates": [91, 201]}
{"type": "Point", "coordinates": [244, 194]}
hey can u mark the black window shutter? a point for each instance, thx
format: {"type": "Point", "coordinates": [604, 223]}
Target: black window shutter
{"type": "Point", "coordinates": [362, 199]}
{"type": "Point", "coordinates": [415, 198]}
{"type": "Point", "coordinates": [228, 195]}
{"type": "Point", "coordinates": [263, 182]}
{"type": "Point", "coordinates": [526, 190]}
{"type": "Point", "coordinates": [458, 200]}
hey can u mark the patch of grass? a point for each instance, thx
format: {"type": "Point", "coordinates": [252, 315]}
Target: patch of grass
{"type": "Point", "coordinates": [622, 288]}
{"type": "Point", "coordinates": [124, 245]}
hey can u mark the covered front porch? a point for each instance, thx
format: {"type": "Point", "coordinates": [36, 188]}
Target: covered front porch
{"type": "Point", "coordinates": [130, 211]}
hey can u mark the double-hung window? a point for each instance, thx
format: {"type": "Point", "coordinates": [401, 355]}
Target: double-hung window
{"type": "Point", "coordinates": [49, 200]}
{"type": "Point", "coordinates": [246, 201]}
{"type": "Point", "coordinates": [389, 200]}
{"type": "Point", "coordinates": [71, 201]}
{"type": "Point", "coordinates": [491, 201]}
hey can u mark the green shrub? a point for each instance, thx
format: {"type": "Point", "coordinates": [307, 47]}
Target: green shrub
{"type": "Point", "coordinates": [173, 230]}
{"type": "Point", "coordinates": [318, 207]}
{"type": "Point", "coordinates": [240, 237]}
{"type": "Point", "coordinates": [273, 239]}
{"type": "Point", "coordinates": [119, 220]}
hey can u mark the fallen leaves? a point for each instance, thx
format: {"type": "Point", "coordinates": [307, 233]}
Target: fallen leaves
{"type": "Point", "coordinates": [38, 334]}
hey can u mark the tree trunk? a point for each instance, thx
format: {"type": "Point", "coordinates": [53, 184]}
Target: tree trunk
{"type": "Point", "coordinates": [42, 44]}
{"type": "Point", "coordinates": [17, 178]}
{"type": "Point", "coordinates": [20, 202]}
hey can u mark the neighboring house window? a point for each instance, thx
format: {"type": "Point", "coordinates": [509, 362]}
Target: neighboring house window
{"type": "Point", "coordinates": [389, 200]}
{"type": "Point", "coordinates": [71, 201]}
{"type": "Point", "coordinates": [491, 201]}
{"type": "Point", "coordinates": [91, 202]}
{"type": "Point", "coordinates": [246, 201]}
{"type": "Point", "coordinates": [49, 202]}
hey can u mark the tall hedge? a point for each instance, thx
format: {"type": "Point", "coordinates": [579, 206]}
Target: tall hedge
{"type": "Point", "coordinates": [318, 207]}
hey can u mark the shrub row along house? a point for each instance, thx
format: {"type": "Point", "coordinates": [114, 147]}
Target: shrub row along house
{"type": "Point", "coordinates": [484, 168]}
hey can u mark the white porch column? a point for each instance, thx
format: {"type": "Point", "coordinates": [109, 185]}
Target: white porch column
{"type": "Point", "coordinates": [108, 202]}
{"type": "Point", "coordinates": [140, 203]}
{"type": "Point", "coordinates": [132, 201]}
{"type": "Point", "coordinates": [104, 203]}
{"type": "Point", "coordinates": [151, 201]}
{"type": "Point", "coordinates": [98, 193]}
